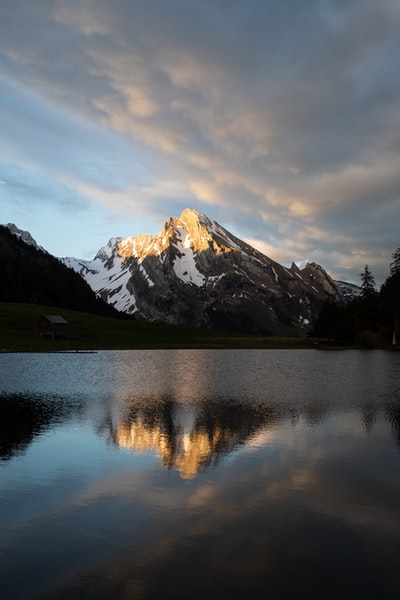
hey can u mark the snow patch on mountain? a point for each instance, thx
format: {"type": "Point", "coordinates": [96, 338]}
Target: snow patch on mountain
{"type": "Point", "coordinates": [145, 274]}
{"type": "Point", "coordinates": [275, 275]}
{"type": "Point", "coordinates": [349, 291]}
{"type": "Point", "coordinates": [111, 282]}
{"type": "Point", "coordinates": [184, 264]}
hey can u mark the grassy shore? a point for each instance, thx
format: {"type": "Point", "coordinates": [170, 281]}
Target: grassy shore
{"type": "Point", "coordinates": [91, 332]}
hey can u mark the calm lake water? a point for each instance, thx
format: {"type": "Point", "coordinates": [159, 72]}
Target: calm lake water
{"type": "Point", "coordinates": [200, 474]}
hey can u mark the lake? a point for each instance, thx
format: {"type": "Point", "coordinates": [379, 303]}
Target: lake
{"type": "Point", "coordinates": [200, 474]}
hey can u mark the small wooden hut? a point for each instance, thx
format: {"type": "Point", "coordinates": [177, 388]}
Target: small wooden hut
{"type": "Point", "coordinates": [51, 326]}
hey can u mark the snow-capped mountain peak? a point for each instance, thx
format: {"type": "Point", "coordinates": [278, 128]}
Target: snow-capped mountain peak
{"type": "Point", "coordinates": [196, 272]}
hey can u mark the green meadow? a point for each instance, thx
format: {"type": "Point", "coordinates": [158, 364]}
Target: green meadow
{"type": "Point", "coordinates": [92, 332]}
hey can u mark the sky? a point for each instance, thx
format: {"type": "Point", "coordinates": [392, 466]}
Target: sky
{"type": "Point", "coordinates": [278, 119]}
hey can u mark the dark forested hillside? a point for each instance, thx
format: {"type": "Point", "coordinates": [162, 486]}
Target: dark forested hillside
{"type": "Point", "coordinates": [33, 276]}
{"type": "Point", "coordinates": [372, 320]}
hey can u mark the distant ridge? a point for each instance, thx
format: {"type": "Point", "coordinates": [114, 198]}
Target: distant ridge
{"type": "Point", "coordinates": [25, 236]}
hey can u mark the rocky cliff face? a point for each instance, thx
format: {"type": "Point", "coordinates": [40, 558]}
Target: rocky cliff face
{"type": "Point", "coordinates": [195, 272]}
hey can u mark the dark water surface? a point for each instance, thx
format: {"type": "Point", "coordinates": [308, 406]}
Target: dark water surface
{"type": "Point", "coordinates": [200, 474]}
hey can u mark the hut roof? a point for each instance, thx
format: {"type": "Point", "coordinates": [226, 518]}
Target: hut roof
{"type": "Point", "coordinates": [56, 319]}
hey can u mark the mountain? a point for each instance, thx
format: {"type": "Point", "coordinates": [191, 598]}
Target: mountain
{"type": "Point", "coordinates": [25, 236]}
{"type": "Point", "coordinates": [195, 272]}
{"type": "Point", "coordinates": [348, 291]}
{"type": "Point", "coordinates": [30, 274]}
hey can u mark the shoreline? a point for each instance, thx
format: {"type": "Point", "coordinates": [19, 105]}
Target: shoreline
{"type": "Point", "coordinates": [222, 344]}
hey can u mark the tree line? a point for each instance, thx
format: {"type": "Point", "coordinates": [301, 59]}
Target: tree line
{"type": "Point", "coordinates": [372, 319]}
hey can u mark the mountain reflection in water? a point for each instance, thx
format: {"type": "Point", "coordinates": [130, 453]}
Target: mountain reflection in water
{"type": "Point", "coordinates": [186, 438]}
{"type": "Point", "coordinates": [190, 439]}
{"type": "Point", "coordinates": [144, 475]}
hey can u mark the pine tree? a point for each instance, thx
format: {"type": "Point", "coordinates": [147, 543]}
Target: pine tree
{"type": "Point", "coordinates": [395, 264]}
{"type": "Point", "coordinates": [367, 283]}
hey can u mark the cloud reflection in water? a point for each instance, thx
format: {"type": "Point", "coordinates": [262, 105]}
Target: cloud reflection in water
{"type": "Point", "coordinates": [239, 473]}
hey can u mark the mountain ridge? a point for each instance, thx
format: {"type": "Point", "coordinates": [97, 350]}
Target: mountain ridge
{"type": "Point", "coordinates": [195, 272]}
{"type": "Point", "coordinates": [30, 274]}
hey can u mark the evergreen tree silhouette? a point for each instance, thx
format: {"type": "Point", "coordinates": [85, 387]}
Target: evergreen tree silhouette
{"type": "Point", "coordinates": [367, 283]}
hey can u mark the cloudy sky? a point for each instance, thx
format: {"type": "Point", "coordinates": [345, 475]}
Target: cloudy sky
{"type": "Point", "coordinates": [279, 119]}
